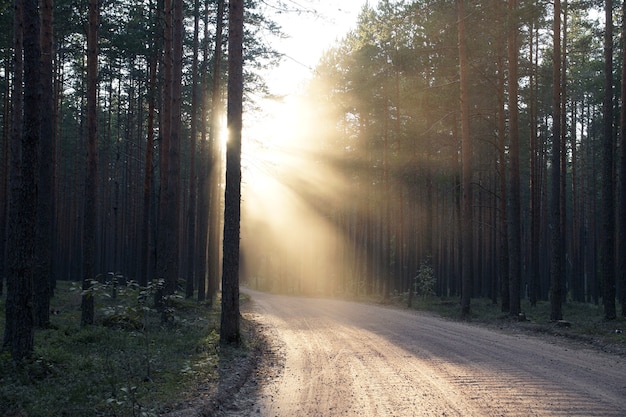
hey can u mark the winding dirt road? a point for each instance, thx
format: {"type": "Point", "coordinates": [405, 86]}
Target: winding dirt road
{"type": "Point", "coordinates": [337, 358]}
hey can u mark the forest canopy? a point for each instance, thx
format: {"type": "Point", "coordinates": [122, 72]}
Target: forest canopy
{"type": "Point", "coordinates": [478, 145]}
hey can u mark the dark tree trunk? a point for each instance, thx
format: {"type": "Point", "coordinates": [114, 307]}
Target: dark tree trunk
{"type": "Point", "coordinates": [535, 189]}
{"type": "Point", "coordinates": [91, 178]}
{"type": "Point", "coordinates": [165, 239]}
{"type": "Point", "coordinates": [503, 235]}
{"type": "Point", "coordinates": [15, 155]}
{"type": "Point", "coordinates": [193, 177]}
{"type": "Point", "coordinates": [556, 264]}
{"type": "Point", "coordinates": [229, 333]}
{"type": "Point", "coordinates": [466, 162]}
{"type": "Point", "coordinates": [4, 185]}
{"type": "Point", "coordinates": [148, 178]}
{"type": "Point", "coordinates": [607, 253]}
{"type": "Point", "coordinates": [621, 242]}
{"type": "Point", "coordinates": [216, 166]}
{"type": "Point", "coordinates": [514, 227]}
{"type": "Point", "coordinates": [174, 185]}
{"type": "Point", "coordinates": [19, 335]}
{"type": "Point", "coordinates": [203, 170]}
{"type": "Point", "coordinates": [46, 187]}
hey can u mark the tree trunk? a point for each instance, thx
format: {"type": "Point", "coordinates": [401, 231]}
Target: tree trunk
{"type": "Point", "coordinates": [514, 227]}
{"type": "Point", "coordinates": [193, 177]}
{"type": "Point", "coordinates": [145, 269]}
{"type": "Point", "coordinates": [46, 186]}
{"type": "Point", "coordinates": [556, 264]}
{"type": "Point", "coordinates": [19, 330]}
{"type": "Point", "coordinates": [91, 178]}
{"type": "Point", "coordinates": [165, 239]}
{"type": "Point", "coordinates": [4, 185]}
{"type": "Point", "coordinates": [216, 164]}
{"type": "Point", "coordinates": [607, 253]}
{"type": "Point", "coordinates": [621, 239]}
{"type": "Point", "coordinates": [229, 333]}
{"type": "Point", "coordinates": [535, 188]}
{"type": "Point", "coordinates": [466, 155]}
{"type": "Point", "coordinates": [503, 235]}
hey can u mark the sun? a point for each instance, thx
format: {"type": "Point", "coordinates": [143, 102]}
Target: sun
{"type": "Point", "coordinates": [283, 184]}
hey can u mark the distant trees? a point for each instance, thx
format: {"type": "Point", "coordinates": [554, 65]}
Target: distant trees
{"type": "Point", "coordinates": [109, 169]}
{"type": "Point", "coordinates": [536, 124]}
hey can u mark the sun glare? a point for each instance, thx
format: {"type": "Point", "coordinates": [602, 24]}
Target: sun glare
{"type": "Point", "coordinates": [288, 243]}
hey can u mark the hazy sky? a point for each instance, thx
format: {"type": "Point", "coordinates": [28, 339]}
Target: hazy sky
{"type": "Point", "coordinates": [310, 33]}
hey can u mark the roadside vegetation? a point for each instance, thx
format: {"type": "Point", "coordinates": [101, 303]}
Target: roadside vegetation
{"type": "Point", "coordinates": [583, 322]}
{"type": "Point", "coordinates": [129, 363]}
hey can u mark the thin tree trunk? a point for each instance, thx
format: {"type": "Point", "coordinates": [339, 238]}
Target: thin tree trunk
{"type": "Point", "coordinates": [148, 174]}
{"type": "Point", "coordinates": [229, 333]}
{"type": "Point", "coordinates": [466, 155]}
{"type": "Point", "coordinates": [203, 171]}
{"type": "Point", "coordinates": [91, 179]}
{"type": "Point", "coordinates": [174, 183]}
{"type": "Point", "coordinates": [167, 242]}
{"type": "Point", "coordinates": [621, 237]}
{"type": "Point", "coordinates": [514, 227]}
{"type": "Point", "coordinates": [4, 190]}
{"type": "Point", "coordinates": [607, 254]}
{"type": "Point", "coordinates": [535, 189]}
{"type": "Point", "coordinates": [216, 167]}
{"type": "Point", "coordinates": [563, 185]}
{"type": "Point", "coordinates": [503, 235]}
{"type": "Point", "coordinates": [46, 186]}
{"type": "Point", "coordinates": [193, 177]}
{"type": "Point", "coordinates": [556, 264]}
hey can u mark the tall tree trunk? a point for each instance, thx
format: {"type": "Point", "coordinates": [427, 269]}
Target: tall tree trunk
{"type": "Point", "coordinates": [4, 185]}
{"type": "Point", "coordinates": [535, 188]}
{"type": "Point", "coordinates": [229, 333]}
{"type": "Point", "coordinates": [148, 176]}
{"type": "Point", "coordinates": [466, 155]}
{"type": "Point", "coordinates": [563, 184]}
{"type": "Point", "coordinates": [174, 185]}
{"type": "Point", "coordinates": [216, 165]}
{"type": "Point", "coordinates": [167, 242]}
{"type": "Point", "coordinates": [621, 237]}
{"type": "Point", "coordinates": [607, 253]}
{"type": "Point", "coordinates": [19, 330]}
{"type": "Point", "coordinates": [203, 170]}
{"type": "Point", "coordinates": [556, 264]}
{"type": "Point", "coordinates": [514, 228]}
{"type": "Point", "coordinates": [46, 186]}
{"type": "Point", "coordinates": [503, 235]}
{"type": "Point", "coordinates": [91, 179]}
{"type": "Point", "coordinates": [193, 177]}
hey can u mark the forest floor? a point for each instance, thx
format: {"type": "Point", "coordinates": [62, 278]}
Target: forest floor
{"type": "Point", "coordinates": [314, 357]}
{"type": "Point", "coordinates": [320, 357]}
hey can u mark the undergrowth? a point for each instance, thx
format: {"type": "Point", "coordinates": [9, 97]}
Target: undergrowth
{"type": "Point", "coordinates": [584, 321]}
{"type": "Point", "coordinates": [130, 363]}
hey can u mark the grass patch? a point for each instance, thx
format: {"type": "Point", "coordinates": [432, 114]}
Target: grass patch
{"type": "Point", "coordinates": [585, 321]}
{"type": "Point", "coordinates": [128, 364]}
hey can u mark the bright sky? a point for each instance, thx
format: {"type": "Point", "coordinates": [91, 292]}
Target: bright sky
{"type": "Point", "coordinates": [279, 163]}
{"type": "Point", "coordinates": [309, 34]}
{"type": "Point", "coordinates": [310, 27]}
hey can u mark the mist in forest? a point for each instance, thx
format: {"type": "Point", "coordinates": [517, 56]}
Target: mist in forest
{"type": "Point", "coordinates": [290, 242]}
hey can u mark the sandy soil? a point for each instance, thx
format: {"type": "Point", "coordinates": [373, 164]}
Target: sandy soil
{"type": "Point", "coordinates": [337, 358]}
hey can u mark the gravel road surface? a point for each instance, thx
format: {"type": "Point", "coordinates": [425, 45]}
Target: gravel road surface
{"type": "Point", "coordinates": [338, 358]}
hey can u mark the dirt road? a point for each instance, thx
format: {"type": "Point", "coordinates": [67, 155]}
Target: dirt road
{"type": "Point", "coordinates": [337, 358]}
